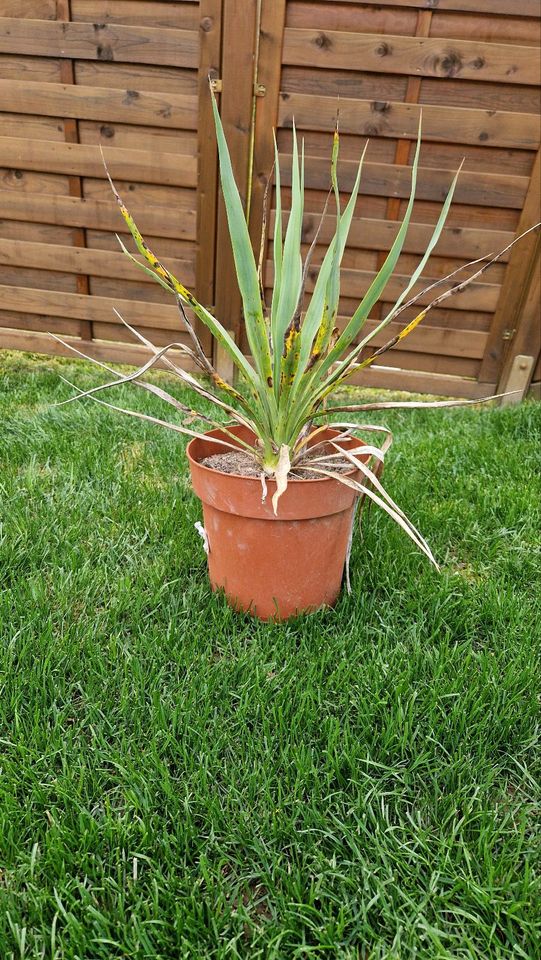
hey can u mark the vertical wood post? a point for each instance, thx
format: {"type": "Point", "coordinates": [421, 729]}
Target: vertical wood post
{"type": "Point", "coordinates": [210, 29]}
{"type": "Point", "coordinates": [527, 338]}
{"type": "Point", "coordinates": [404, 147]}
{"type": "Point", "coordinates": [513, 315]}
{"type": "Point", "coordinates": [413, 90]}
{"type": "Point", "coordinates": [71, 135]}
{"type": "Point", "coordinates": [269, 62]}
{"type": "Point", "coordinates": [237, 75]}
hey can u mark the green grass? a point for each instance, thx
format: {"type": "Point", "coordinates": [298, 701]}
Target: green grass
{"type": "Point", "coordinates": [179, 781]}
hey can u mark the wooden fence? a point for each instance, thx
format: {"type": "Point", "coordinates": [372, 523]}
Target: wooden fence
{"type": "Point", "coordinates": [131, 75]}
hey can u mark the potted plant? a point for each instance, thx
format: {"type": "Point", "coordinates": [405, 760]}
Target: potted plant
{"type": "Point", "coordinates": [281, 479]}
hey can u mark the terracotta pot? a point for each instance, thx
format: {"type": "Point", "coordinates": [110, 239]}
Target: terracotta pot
{"type": "Point", "coordinates": [273, 566]}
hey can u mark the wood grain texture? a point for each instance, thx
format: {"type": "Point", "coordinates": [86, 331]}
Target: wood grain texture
{"type": "Point", "coordinates": [379, 86]}
{"type": "Point", "coordinates": [99, 103]}
{"type": "Point", "coordinates": [33, 322]}
{"type": "Point", "coordinates": [427, 339]}
{"type": "Point", "coordinates": [239, 31]}
{"type": "Point", "coordinates": [132, 75]}
{"type": "Point", "coordinates": [429, 57]}
{"type": "Point", "coordinates": [403, 147]}
{"type": "Point", "coordinates": [440, 154]}
{"type": "Point", "coordinates": [95, 214]}
{"type": "Point", "coordinates": [71, 135]}
{"type": "Point", "coordinates": [133, 137]}
{"type": "Point", "coordinates": [210, 28]}
{"type": "Point", "coordinates": [81, 260]}
{"type": "Point", "coordinates": [417, 382]}
{"type": "Point", "coordinates": [439, 363]}
{"type": "Point", "coordinates": [383, 118]}
{"type": "Point", "coordinates": [527, 339]}
{"type": "Point", "coordinates": [355, 283]}
{"type": "Point", "coordinates": [371, 18]}
{"type": "Point", "coordinates": [465, 25]}
{"type": "Point", "coordinates": [100, 350]}
{"type": "Point", "coordinates": [183, 15]}
{"type": "Point", "coordinates": [76, 306]}
{"type": "Point", "coordinates": [506, 8]}
{"type": "Point", "coordinates": [25, 9]}
{"type": "Point", "coordinates": [271, 34]}
{"type": "Point", "coordinates": [523, 260]}
{"type": "Point", "coordinates": [83, 160]}
{"type": "Point", "coordinates": [100, 41]}
{"type": "Point", "coordinates": [371, 234]}
{"type": "Point", "coordinates": [386, 179]}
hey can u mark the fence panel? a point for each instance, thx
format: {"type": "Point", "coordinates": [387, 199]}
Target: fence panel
{"type": "Point", "coordinates": [131, 77]}
{"type": "Point", "coordinates": [472, 67]}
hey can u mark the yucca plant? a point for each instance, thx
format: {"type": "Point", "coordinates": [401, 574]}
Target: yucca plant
{"type": "Point", "coordinates": [299, 357]}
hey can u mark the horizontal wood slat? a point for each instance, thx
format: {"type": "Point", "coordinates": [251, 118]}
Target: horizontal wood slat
{"type": "Point", "coordinates": [422, 56]}
{"type": "Point", "coordinates": [99, 349]}
{"type": "Point", "coordinates": [387, 179]}
{"type": "Point", "coordinates": [52, 303]}
{"type": "Point", "coordinates": [441, 341]}
{"type": "Point", "coordinates": [82, 260]}
{"type": "Point", "coordinates": [379, 235]}
{"type": "Point", "coordinates": [72, 75]}
{"type": "Point", "coordinates": [37, 9]}
{"type": "Point", "coordinates": [100, 41]}
{"type": "Point", "coordinates": [355, 283]}
{"type": "Point", "coordinates": [419, 382]}
{"type": "Point", "coordinates": [95, 214]}
{"type": "Point", "coordinates": [506, 8]}
{"type": "Point", "coordinates": [384, 118]}
{"type": "Point", "coordinates": [132, 75]}
{"type": "Point", "coordinates": [153, 13]}
{"type": "Point", "coordinates": [407, 361]}
{"type": "Point", "coordinates": [82, 160]}
{"type": "Point", "coordinates": [99, 103]}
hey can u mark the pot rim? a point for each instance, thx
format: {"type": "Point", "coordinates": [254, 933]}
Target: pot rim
{"type": "Point", "coordinates": [240, 476]}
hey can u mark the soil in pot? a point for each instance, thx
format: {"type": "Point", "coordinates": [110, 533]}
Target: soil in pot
{"type": "Point", "coordinates": [241, 463]}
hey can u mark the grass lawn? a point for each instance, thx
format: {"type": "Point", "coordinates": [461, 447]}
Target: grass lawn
{"type": "Point", "coordinates": [179, 781]}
